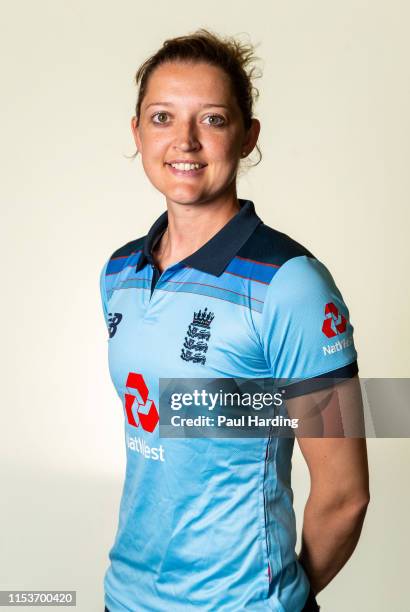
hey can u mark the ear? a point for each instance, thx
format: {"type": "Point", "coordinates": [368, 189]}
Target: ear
{"type": "Point", "coordinates": [251, 137]}
{"type": "Point", "coordinates": [136, 133]}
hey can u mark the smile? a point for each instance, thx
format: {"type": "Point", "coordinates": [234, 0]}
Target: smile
{"type": "Point", "coordinates": [186, 165]}
{"type": "Point", "coordinates": [186, 169]}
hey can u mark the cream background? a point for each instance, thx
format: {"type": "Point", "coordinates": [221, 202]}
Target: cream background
{"type": "Point", "coordinates": [335, 139]}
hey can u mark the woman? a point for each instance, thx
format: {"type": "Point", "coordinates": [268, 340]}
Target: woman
{"type": "Point", "coordinates": [212, 292]}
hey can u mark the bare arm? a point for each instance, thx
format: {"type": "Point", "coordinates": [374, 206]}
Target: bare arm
{"type": "Point", "coordinates": [339, 492]}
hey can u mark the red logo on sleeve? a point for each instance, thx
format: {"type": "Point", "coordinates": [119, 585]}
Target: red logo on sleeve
{"type": "Point", "coordinates": [334, 323]}
{"type": "Point", "coordinates": [138, 404]}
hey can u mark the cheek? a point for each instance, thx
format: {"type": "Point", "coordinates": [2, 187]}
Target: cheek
{"type": "Point", "coordinates": [226, 158]}
{"type": "Point", "coordinates": [152, 140]}
{"type": "Point", "coordinates": [154, 153]}
{"type": "Point", "coordinates": [225, 147]}
{"type": "Point", "coordinates": [154, 147]}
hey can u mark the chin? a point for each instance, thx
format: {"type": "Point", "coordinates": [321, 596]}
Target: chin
{"type": "Point", "coordinates": [181, 196]}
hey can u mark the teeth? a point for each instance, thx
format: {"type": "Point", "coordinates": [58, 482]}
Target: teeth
{"type": "Point", "coordinates": [183, 166]}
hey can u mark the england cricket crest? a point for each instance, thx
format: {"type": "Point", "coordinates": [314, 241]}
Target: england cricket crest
{"type": "Point", "coordinates": [197, 337]}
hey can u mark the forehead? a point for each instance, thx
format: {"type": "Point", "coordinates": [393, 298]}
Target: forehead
{"type": "Point", "coordinates": [176, 81]}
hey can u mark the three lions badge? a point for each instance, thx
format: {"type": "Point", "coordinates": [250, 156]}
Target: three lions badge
{"type": "Point", "coordinates": [197, 337]}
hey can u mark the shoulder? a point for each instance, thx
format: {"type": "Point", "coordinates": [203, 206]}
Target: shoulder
{"type": "Point", "coordinates": [287, 268]}
{"type": "Point", "coordinates": [274, 257]}
{"type": "Point", "coordinates": [267, 245]}
{"type": "Point", "coordinates": [296, 274]}
{"type": "Point", "coordinates": [125, 255]}
{"type": "Point", "coordinates": [128, 249]}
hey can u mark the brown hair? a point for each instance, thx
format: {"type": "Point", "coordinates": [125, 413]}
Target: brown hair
{"type": "Point", "coordinates": [228, 53]}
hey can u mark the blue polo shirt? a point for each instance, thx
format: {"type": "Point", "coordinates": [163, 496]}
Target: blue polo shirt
{"type": "Point", "coordinates": [208, 523]}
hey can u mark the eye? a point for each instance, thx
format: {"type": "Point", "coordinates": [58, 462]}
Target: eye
{"type": "Point", "coordinates": [160, 114]}
{"type": "Point", "coordinates": [216, 120]}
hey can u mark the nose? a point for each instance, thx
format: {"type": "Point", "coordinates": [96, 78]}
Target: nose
{"type": "Point", "coordinates": [186, 138]}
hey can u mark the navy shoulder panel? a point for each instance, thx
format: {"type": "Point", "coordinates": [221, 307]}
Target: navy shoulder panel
{"type": "Point", "coordinates": [126, 256]}
{"type": "Point", "coordinates": [267, 245]}
{"type": "Point", "coordinates": [129, 249]}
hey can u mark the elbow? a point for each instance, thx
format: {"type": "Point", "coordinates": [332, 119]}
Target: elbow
{"type": "Point", "coordinates": [362, 505]}
{"type": "Point", "coordinates": [364, 501]}
{"type": "Point", "coordinates": [356, 505]}
{"type": "Point", "coordinates": [351, 504]}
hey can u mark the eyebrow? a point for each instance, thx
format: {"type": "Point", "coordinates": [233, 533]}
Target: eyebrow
{"type": "Point", "coordinates": [206, 105]}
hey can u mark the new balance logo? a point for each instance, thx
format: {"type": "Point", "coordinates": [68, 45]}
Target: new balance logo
{"type": "Point", "coordinates": [113, 322]}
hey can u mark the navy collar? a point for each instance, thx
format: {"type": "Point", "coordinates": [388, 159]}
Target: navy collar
{"type": "Point", "coordinates": [214, 255]}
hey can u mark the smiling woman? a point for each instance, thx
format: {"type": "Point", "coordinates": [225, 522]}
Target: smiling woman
{"type": "Point", "coordinates": [193, 123]}
{"type": "Point", "coordinates": [212, 292]}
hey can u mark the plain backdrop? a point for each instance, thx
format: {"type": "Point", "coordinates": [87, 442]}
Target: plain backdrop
{"type": "Point", "coordinates": [334, 102]}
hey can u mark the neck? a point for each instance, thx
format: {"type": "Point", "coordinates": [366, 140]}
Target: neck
{"type": "Point", "coordinates": [191, 226]}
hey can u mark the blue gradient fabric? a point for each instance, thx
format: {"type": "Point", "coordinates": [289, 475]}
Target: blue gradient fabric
{"type": "Point", "coordinates": [208, 523]}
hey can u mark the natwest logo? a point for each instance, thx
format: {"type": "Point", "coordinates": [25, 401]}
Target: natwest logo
{"type": "Point", "coordinates": [334, 323]}
{"type": "Point", "coordinates": [140, 410]}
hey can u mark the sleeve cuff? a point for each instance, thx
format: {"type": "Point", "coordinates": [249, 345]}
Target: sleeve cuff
{"type": "Point", "coordinates": [322, 381]}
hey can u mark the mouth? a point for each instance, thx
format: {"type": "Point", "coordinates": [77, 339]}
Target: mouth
{"type": "Point", "coordinates": [186, 168]}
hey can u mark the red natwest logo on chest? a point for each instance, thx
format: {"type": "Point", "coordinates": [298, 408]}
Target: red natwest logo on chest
{"type": "Point", "coordinates": [138, 404]}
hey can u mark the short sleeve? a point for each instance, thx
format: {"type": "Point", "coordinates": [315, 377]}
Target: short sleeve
{"type": "Point", "coordinates": [103, 292]}
{"type": "Point", "coordinates": [306, 331]}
